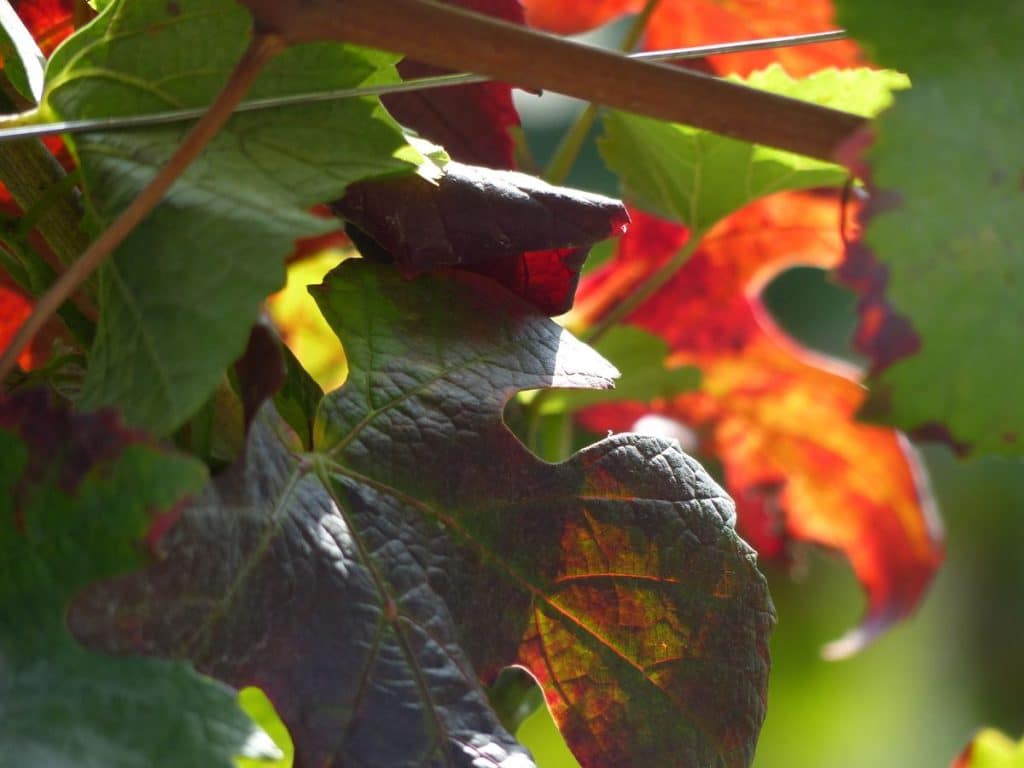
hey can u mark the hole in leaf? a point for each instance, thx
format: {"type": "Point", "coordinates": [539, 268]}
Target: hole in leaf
{"type": "Point", "coordinates": [519, 704]}
{"type": "Point", "coordinates": [814, 310]}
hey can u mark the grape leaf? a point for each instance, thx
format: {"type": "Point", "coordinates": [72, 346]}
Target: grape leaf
{"type": "Point", "coordinates": [180, 294]}
{"type": "Point", "coordinates": [949, 229]}
{"type": "Point", "coordinates": [698, 177]}
{"type": "Point", "coordinates": [486, 220]}
{"type": "Point", "coordinates": [684, 23]}
{"type": "Point", "coordinates": [780, 418]}
{"type": "Point", "coordinates": [367, 586]}
{"type": "Point", "coordinates": [991, 749]}
{"type": "Point", "coordinates": [77, 495]}
{"type": "Point", "coordinates": [470, 121]}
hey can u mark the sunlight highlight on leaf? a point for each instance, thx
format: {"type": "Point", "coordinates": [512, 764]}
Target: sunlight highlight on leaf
{"type": "Point", "coordinates": [301, 325]}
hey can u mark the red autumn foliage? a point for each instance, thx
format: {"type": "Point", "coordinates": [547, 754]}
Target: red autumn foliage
{"type": "Point", "coordinates": [15, 308]}
{"type": "Point", "coordinates": [779, 417]}
{"type": "Point", "coordinates": [684, 23]}
{"type": "Point", "coordinates": [49, 21]}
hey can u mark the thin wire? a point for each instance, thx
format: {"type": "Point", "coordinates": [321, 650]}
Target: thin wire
{"type": "Point", "coordinates": [17, 133]}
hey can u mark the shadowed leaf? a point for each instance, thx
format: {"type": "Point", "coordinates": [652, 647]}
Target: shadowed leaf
{"type": "Point", "coordinates": [780, 418]}
{"type": "Point", "coordinates": [946, 227]}
{"type": "Point", "coordinates": [427, 548]}
{"type": "Point", "coordinates": [77, 495]}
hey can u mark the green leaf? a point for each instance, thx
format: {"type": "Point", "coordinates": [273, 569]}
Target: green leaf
{"type": "Point", "coordinates": [369, 586]}
{"type": "Point", "coordinates": [257, 706]}
{"type": "Point", "coordinates": [950, 151]}
{"type": "Point", "coordinates": [699, 177]}
{"type": "Point", "coordinates": [992, 749]}
{"type": "Point", "coordinates": [77, 495]}
{"type": "Point", "coordinates": [642, 357]}
{"type": "Point", "coordinates": [180, 294]}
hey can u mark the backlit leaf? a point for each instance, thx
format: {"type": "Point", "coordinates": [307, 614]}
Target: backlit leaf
{"type": "Point", "coordinates": [69, 516]}
{"type": "Point", "coordinates": [947, 224]}
{"type": "Point", "coordinates": [780, 418]}
{"type": "Point", "coordinates": [698, 177]}
{"type": "Point", "coordinates": [180, 294]}
{"type": "Point", "coordinates": [303, 329]}
{"type": "Point", "coordinates": [368, 586]}
{"type": "Point", "coordinates": [991, 749]}
{"type": "Point", "coordinates": [683, 23]}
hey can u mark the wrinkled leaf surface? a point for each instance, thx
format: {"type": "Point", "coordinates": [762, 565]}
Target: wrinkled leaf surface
{"type": "Point", "coordinates": [367, 587]}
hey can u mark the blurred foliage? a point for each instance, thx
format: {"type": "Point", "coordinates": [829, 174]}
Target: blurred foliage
{"type": "Point", "coordinates": [918, 695]}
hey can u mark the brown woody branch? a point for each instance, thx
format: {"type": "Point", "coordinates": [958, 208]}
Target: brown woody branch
{"type": "Point", "coordinates": [456, 39]}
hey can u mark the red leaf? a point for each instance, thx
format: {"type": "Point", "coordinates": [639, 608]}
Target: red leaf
{"type": "Point", "coordinates": [683, 23]}
{"type": "Point", "coordinates": [779, 417]}
{"type": "Point", "coordinates": [15, 307]}
{"type": "Point", "coordinates": [530, 236]}
{"type": "Point", "coordinates": [470, 121]}
{"type": "Point", "coordinates": [49, 21]}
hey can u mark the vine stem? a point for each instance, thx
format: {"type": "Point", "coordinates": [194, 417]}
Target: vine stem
{"type": "Point", "coordinates": [569, 148]}
{"type": "Point", "coordinates": [644, 291]}
{"type": "Point", "coordinates": [457, 39]}
{"type": "Point", "coordinates": [262, 48]}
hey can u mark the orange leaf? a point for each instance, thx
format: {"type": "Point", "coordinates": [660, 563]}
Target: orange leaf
{"type": "Point", "coordinates": [684, 23]}
{"type": "Point", "coordinates": [779, 417]}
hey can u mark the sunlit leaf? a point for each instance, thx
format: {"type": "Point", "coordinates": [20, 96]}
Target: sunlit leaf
{"type": "Point", "coordinates": [367, 587]}
{"type": "Point", "coordinates": [780, 418]}
{"type": "Point", "coordinates": [698, 177]}
{"type": "Point", "coordinates": [991, 749]}
{"type": "Point", "coordinates": [946, 225]}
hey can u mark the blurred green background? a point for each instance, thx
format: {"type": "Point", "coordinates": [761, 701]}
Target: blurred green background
{"type": "Point", "coordinates": [918, 695]}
